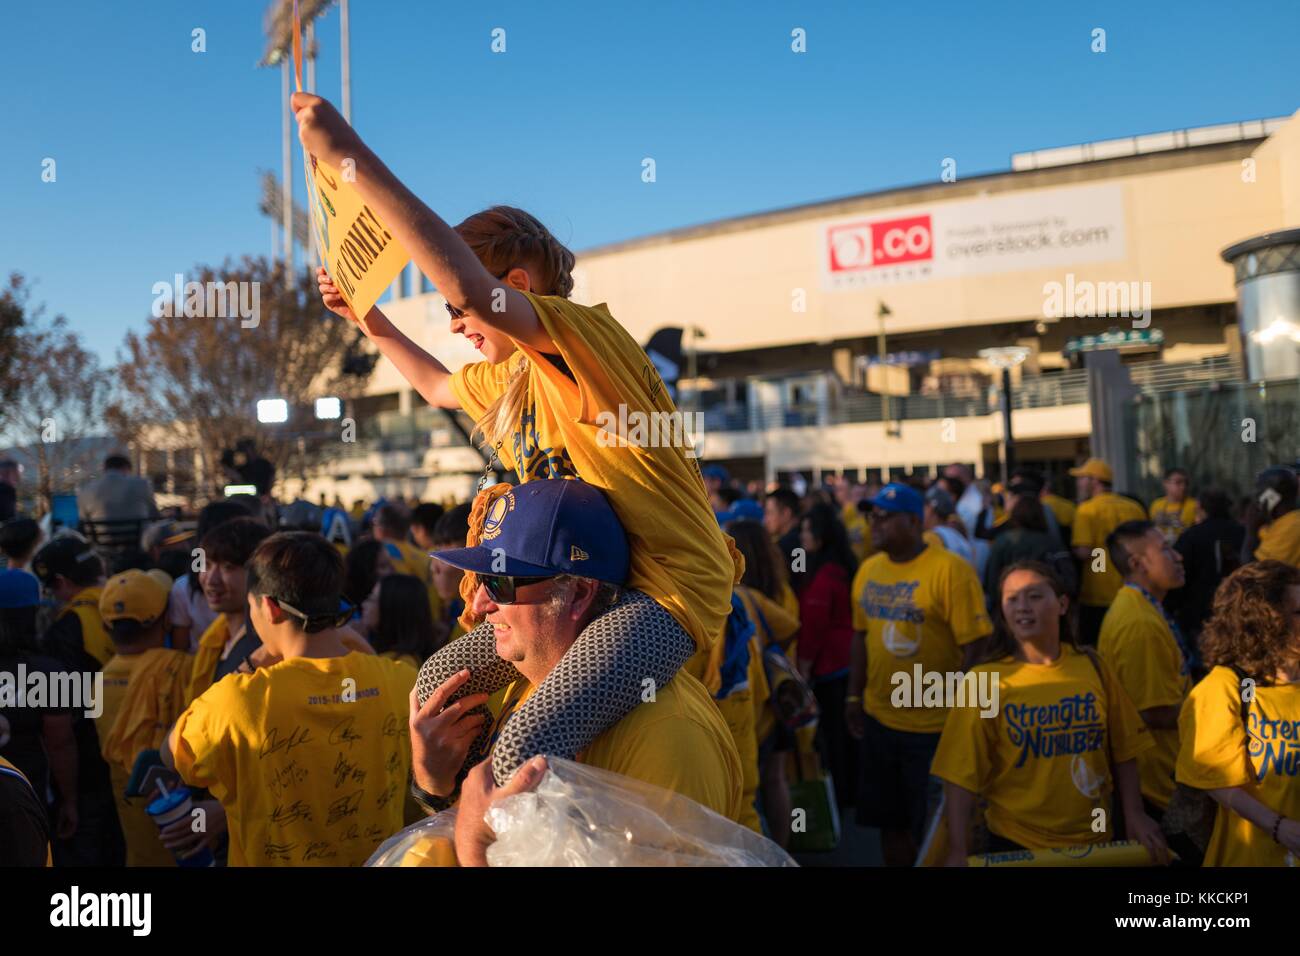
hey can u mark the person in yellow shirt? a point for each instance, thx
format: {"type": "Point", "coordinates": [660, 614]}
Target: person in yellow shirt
{"type": "Point", "coordinates": [73, 574]}
{"type": "Point", "coordinates": [1062, 508]}
{"type": "Point", "coordinates": [1175, 511]}
{"type": "Point", "coordinates": [144, 693]}
{"type": "Point", "coordinates": [228, 644]}
{"type": "Point", "coordinates": [1100, 512]}
{"type": "Point", "coordinates": [564, 391]}
{"type": "Point", "coordinates": [916, 608]}
{"type": "Point", "coordinates": [309, 754]}
{"type": "Point", "coordinates": [1064, 738]}
{"type": "Point", "coordinates": [24, 826]}
{"type": "Point", "coordinates": [537, 605]}
{"type": "Point", "coordinates": [1240, 727]}
{"type": "Point", "coordinates": [1144, 647]}
{"type": "Point", "coordinates": [1273, 522]}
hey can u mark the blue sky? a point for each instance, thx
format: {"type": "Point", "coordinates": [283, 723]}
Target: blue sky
{"type": "Point", "coordinates": [158, 148]}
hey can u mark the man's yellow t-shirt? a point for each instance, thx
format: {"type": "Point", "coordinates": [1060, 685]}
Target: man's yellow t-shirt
{"type": "Point", "coordinates": [1094, 520]}
{"type": "Point", "coordinates": [1280, 540]}
{"type": "Point", "coordinates": [1062, 508]}
{"type": "Point", "coordinates": [1262, 757]}
{"type": "Point", "coordinates": [858, 526]}
{"type": "Point", "coordinates": [143, 695]}
{"type": "Point", "coordinates": [1173, 518]}
{"type": "Point", "coordinates": [1042, 763]}
{"type": "Point", "coordinates": [918, 612]}
{"type": "Point", "coordinates": [574, 427]}
{"type": "Point", "coordinates": [678, 741]}
{"type": "Point", "coordinates": [309, 757]}
{"type": "Point", "coordinates": [1136, 641]}
{"type": "Point", "coordinates": [94, 635]}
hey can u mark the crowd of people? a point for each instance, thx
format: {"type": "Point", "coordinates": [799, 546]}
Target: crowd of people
{"type": "Point", "coordinates": [971, 668]}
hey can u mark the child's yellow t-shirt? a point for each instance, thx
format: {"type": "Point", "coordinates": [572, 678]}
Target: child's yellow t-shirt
{"type": "Point", "coordinates": [915, 612]}
{"type": "Point", "coordinates": [143, 695]}
{"type": "Point", "coordinates": [587, 427]}
{"type": "Point", "coordinates": [1094, 520]}
{"type": "Point", "coordinates": [1042, 763]}
{"type": "Point", "coordinates": [1261, 756]}
{"type": "Point", "coordinates": [1136, 641]}
{"type": "Point", "coordinates": [309, 757]}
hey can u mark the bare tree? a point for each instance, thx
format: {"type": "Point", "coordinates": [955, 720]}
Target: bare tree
{"type": "Point", "coordinates": [202, 375]}
{"type": "Point", "coordinates": [56, 394]}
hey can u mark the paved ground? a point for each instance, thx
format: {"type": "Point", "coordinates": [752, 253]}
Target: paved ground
{"type": "Point", "coordinates": [859, 846]}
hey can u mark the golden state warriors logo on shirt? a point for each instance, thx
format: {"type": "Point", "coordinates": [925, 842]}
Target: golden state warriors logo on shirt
{"type": "Point", "coordinates": [895, 605]}
{"type": "Point", "coordinates": [496, 514]}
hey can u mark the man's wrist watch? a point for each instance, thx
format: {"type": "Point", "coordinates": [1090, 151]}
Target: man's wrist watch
{"type": "Point", "coordinates": [432, 803]}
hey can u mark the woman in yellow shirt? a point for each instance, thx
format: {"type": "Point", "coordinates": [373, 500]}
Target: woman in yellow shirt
{"type": "Point", "coordinates": [1063, 737]}
{"type": "Point", "coordinates": [1240, 727]}
{"type": "Point", "coordinates": [563, 392]}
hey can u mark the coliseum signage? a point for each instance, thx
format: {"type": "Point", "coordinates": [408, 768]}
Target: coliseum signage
{"type": "Point", "coordinates": [1010, 233]}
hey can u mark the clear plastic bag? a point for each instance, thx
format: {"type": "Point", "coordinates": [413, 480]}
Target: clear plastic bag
{"type": "Point", "coordinates": [584, 816]}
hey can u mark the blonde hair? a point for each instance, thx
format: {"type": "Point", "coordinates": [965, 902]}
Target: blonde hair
{"type": "Point", "coordinates": [504, 238]}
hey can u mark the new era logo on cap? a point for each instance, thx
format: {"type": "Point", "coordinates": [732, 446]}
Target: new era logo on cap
{"type": "Point", "coordinates": [577, 554]}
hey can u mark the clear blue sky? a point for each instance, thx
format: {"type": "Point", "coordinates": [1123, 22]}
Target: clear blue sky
{"type": "Point", "coordinates": [158, 148]}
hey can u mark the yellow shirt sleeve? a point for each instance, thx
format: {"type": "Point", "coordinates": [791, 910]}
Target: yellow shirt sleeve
{"type": "Point", "coordinates": [201, 741]}
{"type": "Point", "coordinates": [1134, 653]}
{"type": "Point", "coordinates": [1129, 735]}
{"type": "Point", "coordinates": [967, 616]}
{"type": "Point", "coordinates": [479, 384]}
{"type": "Point", "coordinates": [155, 697]}
{"type": "Point", "coordinates": [1083, 533]}
{"type": "Point", "coordinates": [860, 620]}
{"type": "Point", "coordinates": [965, 753]}
{"type": "Point", "coordinates": [1212, 739]}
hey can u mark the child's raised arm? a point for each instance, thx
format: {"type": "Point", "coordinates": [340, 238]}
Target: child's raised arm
{"type": "Point", "coordinates": [436, 248]}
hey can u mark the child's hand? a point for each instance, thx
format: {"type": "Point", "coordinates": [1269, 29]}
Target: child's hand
{"type": "Point", "coordinates": [324, 133]}
{"type": "Point", "coordinates": [331, 297]}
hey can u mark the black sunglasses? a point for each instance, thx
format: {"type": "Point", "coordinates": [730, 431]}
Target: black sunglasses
{"type": "Point", "coordinates": [456, 313]}
{"type": "Point", "coordinates": [503, 588]}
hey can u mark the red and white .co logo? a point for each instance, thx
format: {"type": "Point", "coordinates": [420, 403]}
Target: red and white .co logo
{"type": "Point", "coordinates": [863, 245]}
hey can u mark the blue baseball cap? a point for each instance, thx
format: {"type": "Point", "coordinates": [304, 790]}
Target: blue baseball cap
{"type": "Point", "coordinates": [717, 472]}
{"type": "Point", "coordinates": [19, 588]}
{"type": "Point", "coordinates": [896, 496]}
{"type": "Point", "coordinates": [547, 527]}
{"type": "Point", "coordinates": [742, 509]}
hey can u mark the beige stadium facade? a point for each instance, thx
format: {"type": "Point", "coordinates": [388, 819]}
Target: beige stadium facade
{"type": "Point", "coordinates": [785, 311]}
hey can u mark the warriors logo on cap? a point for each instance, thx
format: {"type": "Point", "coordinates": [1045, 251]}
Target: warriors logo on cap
{"type": "Point", "coordinates": [496, 514]}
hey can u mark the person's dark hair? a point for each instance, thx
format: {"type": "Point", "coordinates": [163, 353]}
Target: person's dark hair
{"type": "Point", "coordinates": [136, 559]}
{"type": "Point", "coordinates": [175, 562]}
{"type": "Point", "coordinates": [405, 621]}
{"type": "Point", "coordinates": [832, 540]}
{"type": "Point", "coordinates": [360, 577]}
{"type": "Point", "coordinates": [1250, 624]}
{"type": "Point", "coordinates": [1001, 644]}
{"type": "Point", "coordinates": [394, 519]}
{"type": "Point", "coordinates": [453, 527]}
{"type": "Point", "coordinates": [18, 536]}
{"type": "Point", "coordinates": [1170, 472]}
{"type": "Point", "coordinates": [303, 570]}
{"type": "Point", "coordinates": [954, 486]}
{"type": "Point", "coordinates": [117, 463]}
{"type": "Point", "coordinates": [786, 498]}
{"type": "Point", "coordinates": [86, 574]}
{"type": "Point", "coordinates": [427, 515]}
{"type": "Point", "coordinates": [210, 515]}
{"type": "Point", "coordinates": [1119, 543]}
{"type": "Point", "coordinates": [729, 495]}
{"type": "Point", "coordinates": [234, 541]}
{"type": "Point", "coordinates": [1216, 503]}
{"type": "Point", "coordinates": [1025, 475]}
{"type": "Point", "coordinates": [764, 570]}
{"type": "Point", "coordinates": [1028, 514]}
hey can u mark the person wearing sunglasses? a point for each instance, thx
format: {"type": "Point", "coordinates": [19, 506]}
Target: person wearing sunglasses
{"type": "Point", "coordinates": [309, 753]}
{"type": "Point", "coordinates": [553, 557]}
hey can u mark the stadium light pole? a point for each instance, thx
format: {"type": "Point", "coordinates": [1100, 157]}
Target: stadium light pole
{"type": "Point", "coordinates": [1006, 358]}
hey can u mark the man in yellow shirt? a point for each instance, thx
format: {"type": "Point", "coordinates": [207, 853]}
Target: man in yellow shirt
{"type": "Point", "coordinates": [144, 693]}
{"type": "Point", "coordinates": [309, 754]}
{"type": "Point", "coordinates": [917, 608]}
{"type": "Point", "coordinates": [1144, 646]}
{"type": "Point", "coordinates": [1100, 512]}
{"type": "Point", "coordinates": [1175, 512]}
{"type": "Point", "coordinates": [1273, 524]}
{"type": "Point", "coordinates": [555, 561]}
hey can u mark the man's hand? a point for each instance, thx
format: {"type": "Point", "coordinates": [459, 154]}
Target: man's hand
{"type": "Point", "coordinates": [441, 735]}
{"type": "Point", "coordinates": [324, 133]}
{"type": "Point", "coordinates": [1146, 831]}
{"type": "Point", "coordinates": [66, 825]}
{"type": "Point", "coordinates": [180, 837]}
{"type": "Point", "coordinates": [855, 720]}
{"type": "Point", "coordinates": [477, 794]}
